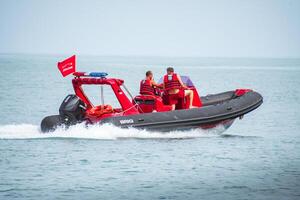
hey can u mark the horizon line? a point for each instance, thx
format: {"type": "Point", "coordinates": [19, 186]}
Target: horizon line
{"type": "Point", "coordinates": [148, 56]}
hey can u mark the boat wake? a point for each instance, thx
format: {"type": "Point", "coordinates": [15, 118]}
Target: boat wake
{"type": "Point", "coordinates": [101, 132]}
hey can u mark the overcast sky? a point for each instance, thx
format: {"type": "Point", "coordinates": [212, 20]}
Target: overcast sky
{"type": "Point", "coordinates": [212, 28]}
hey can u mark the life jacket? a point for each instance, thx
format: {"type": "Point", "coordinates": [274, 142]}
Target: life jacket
{"type": "Point", "coordinates": [171, 82]}
{"type": "Point", "coordinates": [146, 88]}
{"type": "Point", "coordinates": [100, 110]}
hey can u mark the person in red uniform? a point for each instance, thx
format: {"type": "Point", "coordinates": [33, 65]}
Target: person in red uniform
{"type": "Point", "coordinates": [175, 88]}
{"type": "Point", "coordinates": [148, 85]}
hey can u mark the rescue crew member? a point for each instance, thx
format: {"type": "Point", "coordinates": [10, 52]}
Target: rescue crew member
{"type": "Point", "coordinates": [175, 88]}
{"type": "Point", "coordinates": [148, 85]}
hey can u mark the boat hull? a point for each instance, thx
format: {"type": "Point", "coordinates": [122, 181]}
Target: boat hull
{"type": "Point", "coordinates": [218, 109]}
{"type": "Point", "coordinates": [210, 115]}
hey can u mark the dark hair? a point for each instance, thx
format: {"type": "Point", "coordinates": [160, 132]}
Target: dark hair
{"type": "Point", "coordinates": [170, 69]}
{"type": "Point", "coordinates": [148, 73]}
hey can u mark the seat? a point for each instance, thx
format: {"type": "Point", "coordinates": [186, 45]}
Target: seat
{"type": "Point", "coordinates": [150, 103]}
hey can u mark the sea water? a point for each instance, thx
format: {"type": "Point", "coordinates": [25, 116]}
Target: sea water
{"type": "Point", "coordinates": [257, 158]}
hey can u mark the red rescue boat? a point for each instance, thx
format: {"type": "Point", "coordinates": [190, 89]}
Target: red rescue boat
{"type": "Point", "coordinates": [151, 112]}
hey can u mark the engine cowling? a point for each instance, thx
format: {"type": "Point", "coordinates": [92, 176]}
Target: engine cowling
{"type": "Point", "coordinates": [72, 110]}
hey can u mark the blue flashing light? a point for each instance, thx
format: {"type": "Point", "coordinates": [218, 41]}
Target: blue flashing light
{"type": "Point", "coordinates": [98, 74]}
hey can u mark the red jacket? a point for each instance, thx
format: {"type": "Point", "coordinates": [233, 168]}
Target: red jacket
{"type": "Point", "coordinates": [171, 82]}
{"type": "Point", "coordinates": [146, 88]}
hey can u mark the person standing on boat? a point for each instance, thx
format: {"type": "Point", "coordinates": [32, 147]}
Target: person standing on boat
{"type": "Point", "coordinates": [175, 88]}
{"type": "Point", "coordinates": [148, 85]}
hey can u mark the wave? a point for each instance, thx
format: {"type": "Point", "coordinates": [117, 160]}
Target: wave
{"type": "Point", "coordinates": [101, 132]}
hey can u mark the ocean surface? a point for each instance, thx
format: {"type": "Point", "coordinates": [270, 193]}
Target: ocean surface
{"type": "Point", "coordinates": [257, 158]}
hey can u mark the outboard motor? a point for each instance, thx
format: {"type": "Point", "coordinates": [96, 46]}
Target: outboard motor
{"type": "Point", "coordinates": [72, 110]}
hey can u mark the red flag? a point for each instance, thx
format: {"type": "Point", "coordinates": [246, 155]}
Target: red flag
{"type": "Point", "coordinates": [67, 66]}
